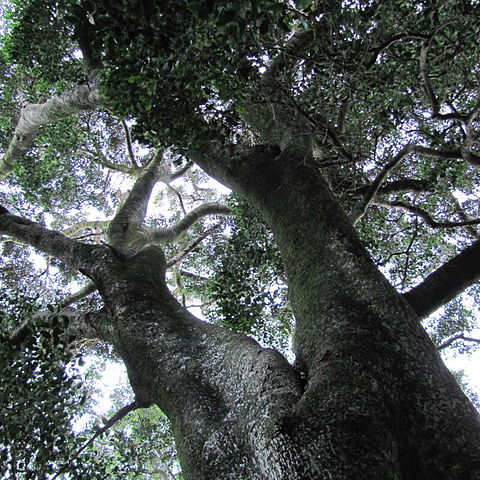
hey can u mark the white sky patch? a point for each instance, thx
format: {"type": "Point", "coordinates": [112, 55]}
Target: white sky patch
{"type": "Point", "coordinates": [112, 376]}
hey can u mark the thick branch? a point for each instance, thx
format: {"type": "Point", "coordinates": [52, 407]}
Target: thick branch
{"type": "Point", "coordinates": [299, 41]}
{"type": "Point", "coordinates": [456, 153]}
{"type": "Point", "coordinates": [128, 139]}
{"type": "Point", "coordinates": [81, 325]}
{"type": "Point", "coordinates": [446, 282]}
{"type": "Point", "coordinates": [76, 297]}
{"type": "Point", "coordinates": [126, 227]}
{"type": "Point", "coordinates": [35, 115]}
{"type": "Point", "coordinates": [93, 224]}
{"type": "Point", "coordinates": [169, 234]}
{"type": "Point", "coordinates": [426, 80]}
{"type": "Point", "coordinates": [73, 253]}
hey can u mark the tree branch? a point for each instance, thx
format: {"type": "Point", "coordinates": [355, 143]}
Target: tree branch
{"type": "Point", "coordinates": [116, 167]}
{"type": "Point", "coordinates": [122, 413]}
{"type": "Point", "coordinates": [128, 139]}
{"type": "Point", "coordinates": [76, 297]}
{"type": "Point", "coordinates": [179, 173]}
{"type": "Point", "coordinates": [401, 36]}
{"type": "Point", "coordinates": [460, 212]}
{"type": "Point", "coordinates": [126, 227]}
{"type": "Point", "coordinates": [169, 234]}
{"type": "Point", "coordinates": [362, 206]}
{"type": "Point", "coordinates": [192, 246]}
{"type": "Point", "coordinates": [72, 252]}
{"type": "Point", "coordinates": [179, 196]}
{"type": "Point", "coordinates": [92, 224]}
{"type": "Point", "coordinates": [81, 325]}
{"type": "Point", "coordinates": [453, 338]}
{"type": "Point", "coordinates": [402, 185]}
{"type": "Point", "coordinates": [456, 153]}
{"type": "Point", "coordinates": [420, 212]}
{"type": "Point", "coordinates": [445, 283]}
{"type": "Point", "coordinates": [35, 115]}
{"type": "Point", "coordinates": [426, 79]}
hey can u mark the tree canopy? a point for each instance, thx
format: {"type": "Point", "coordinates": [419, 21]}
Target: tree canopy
{"type": "Point", "coordinates": [115, 117]}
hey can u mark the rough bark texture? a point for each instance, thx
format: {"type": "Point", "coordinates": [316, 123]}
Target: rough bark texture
{"type": "Point", "coordinates": [378, 396]}
{"type": "Point", "coordinates": [368, 397]}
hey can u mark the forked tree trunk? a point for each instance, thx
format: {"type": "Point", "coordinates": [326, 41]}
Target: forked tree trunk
{"type": "Point", "coordinates": [369, 396]}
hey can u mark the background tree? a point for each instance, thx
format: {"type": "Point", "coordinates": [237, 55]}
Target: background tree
{"type": "Point", "coordinates": [349, 133]}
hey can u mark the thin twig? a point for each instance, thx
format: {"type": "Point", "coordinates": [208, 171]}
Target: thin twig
{"type": "Point", "coordinates": [361, 208]}
{"type": "Point", "coordinates": [192, 246]}
{"type": "Point", "coordinates": [123, 412]}
{"type": "Point", "coordinates": [179, 196]}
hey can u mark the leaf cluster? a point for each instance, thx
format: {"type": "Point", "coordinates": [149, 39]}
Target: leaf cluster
{"type": "Point", "coordinates": [248, 284]}
{"type": "Point", "coordinates": [38, 395]}
{"type": "Point", "coordinates": [176, 66]}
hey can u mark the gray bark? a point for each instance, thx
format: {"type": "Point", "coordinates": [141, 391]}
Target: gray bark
{"type": "Point", "coordinates": [377, 390]}
{"type": "Point", "coordinates": [377, 402]}
{"type": "Point", "coordinates": [368, 397]}
{"type": "Point", "coordinates": [127, 229]}
{"type": "Point", "coordinates": [445, 283]}
{"type": "Point", "coordinates": [35, 115]}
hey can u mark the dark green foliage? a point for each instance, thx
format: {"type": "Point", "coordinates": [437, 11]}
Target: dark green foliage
{"type": "Point", "coordinates": [36, 58]}
{"type": "Point", "coordinates": [59, 174]}
{"type": "Point", "coordinates": [190, 71]}
{"type": "Point", "coordinates": [194, 54]}
{"type": "Point", "coordinates": [41, 394]}
{"type": "Point", "coordinates": [37, 395]}
{"type": "Point", "coordinates": [248, 286]}
{"type": "Point", "coordinates": [41, 42]}
{"type": "Point", "coordinates": [142, 444]}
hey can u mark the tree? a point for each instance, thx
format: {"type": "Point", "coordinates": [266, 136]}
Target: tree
{"type": "Point", "coordinates": [351, 127]}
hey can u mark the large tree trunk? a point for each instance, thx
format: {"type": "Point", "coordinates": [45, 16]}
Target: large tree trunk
{"type": "Point", "coordinates": [368, 397]}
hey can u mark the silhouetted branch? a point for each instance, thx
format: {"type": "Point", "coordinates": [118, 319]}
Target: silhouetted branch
{"type": "Point", "coordinates": [445, 283]}
{"type": "Point", "coordinates": [362, 206]}
{"type": "Point", "coordinates": [420, 212]}
{"type": "Point", "coordinates": [122, 413]}
{"type": "Point", "coordinates": [454, 338]}
{"type": "Point", "coordinates": [128, 139]}
{"type": "Point", "coordinates": [192, 246]}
